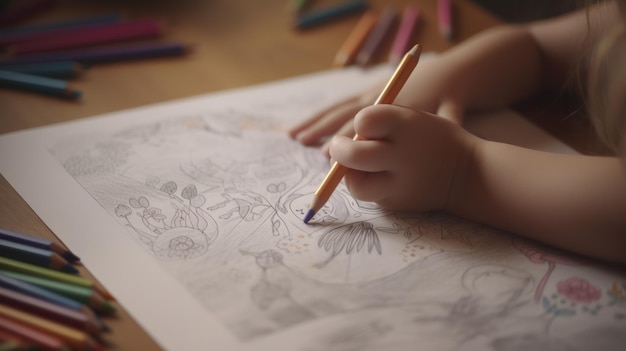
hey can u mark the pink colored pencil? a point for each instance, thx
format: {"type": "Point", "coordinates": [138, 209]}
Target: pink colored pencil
{"type": "Point", "coordinates": [401, 43]}
{"type": "Point", "coordinates": [444, 9]}
{"type": "Point", "coordinates": [100, 34]}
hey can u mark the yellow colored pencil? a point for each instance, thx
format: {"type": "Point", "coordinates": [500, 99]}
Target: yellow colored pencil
{"type": "Point", "coordinates": [389, 93]}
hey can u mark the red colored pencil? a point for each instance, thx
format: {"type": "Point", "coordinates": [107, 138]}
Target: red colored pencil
{"type": "Point", "coordinates": [401, 43]}
{"type": "Point", "coordinates": [444, 11]}
{"type": "Point", "coordinates": [45, 341]}
{"type": "Point", "coordinates": [100, 34]}
{"type": "Point", "coordinates": [377, 36]}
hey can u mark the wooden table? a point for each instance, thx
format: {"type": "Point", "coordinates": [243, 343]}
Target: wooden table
{"type": "Point", "coordinates": [236, 43]}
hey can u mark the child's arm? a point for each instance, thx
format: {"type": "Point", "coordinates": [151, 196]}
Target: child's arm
{"type": "Point", "coordinates": [415, 161]}
{"type": "Point", "coordinates": [492, 69]}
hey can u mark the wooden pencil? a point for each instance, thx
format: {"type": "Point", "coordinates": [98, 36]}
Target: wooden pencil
{"type": "Point", "coordinates": [76, 339]}
{"type": "Point", "coordinates": [36, 256]}
{"type": "Point", "coordinates": [81, 294]}
{"type": "Point", "coordinates": [41, 339]}
{"type": "Point", "coordinates": [40, 85]}
{"type": "Point", "coordinates": [346, 54]}
{"type": "Point", "coordinates": [26, 268]}
{"type": "Point", "coordinates": [410, 18]}
{"type": "Point", "coordinates": [377, 36]}
{"type": "Point", "coordinates": [312, 18]}
{"type": "Point", "coordinates": [98, 34]}
{"type": "Point", "coordinates": [445, 18]}
{"type": "Point", "coordinates": [73, 318]}
{"type": "Point", "coordinates": [35, 241]}
{"type": "Point", "coordinates": [389, 93]}
{"type": "Point", "coordinates": [104, 54]}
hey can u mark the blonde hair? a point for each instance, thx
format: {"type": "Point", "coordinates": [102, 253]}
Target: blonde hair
{"type": "Point", "coordinates": [607, 86]}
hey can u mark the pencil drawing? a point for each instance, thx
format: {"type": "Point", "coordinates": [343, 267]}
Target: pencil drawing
{"type": "Point", "coordinates": [217, 198]}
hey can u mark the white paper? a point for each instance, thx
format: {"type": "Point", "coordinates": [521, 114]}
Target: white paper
{"type": "Point", "coordinates": [190, 213]}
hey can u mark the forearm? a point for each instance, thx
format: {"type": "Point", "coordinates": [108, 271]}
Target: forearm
{"type": "Point", "coordinates": [492, 69]}
{"type": "Point", "coordinates": [574, 202]}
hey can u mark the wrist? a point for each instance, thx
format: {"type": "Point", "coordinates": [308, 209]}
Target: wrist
{"type": "Point", "coordinates": [466, 165]}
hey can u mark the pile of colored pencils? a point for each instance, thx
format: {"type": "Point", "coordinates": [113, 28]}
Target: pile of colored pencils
{"type": "Point", "coordinates": [39, 58]}
{"type": "Point", "coordinates": [44, 304]}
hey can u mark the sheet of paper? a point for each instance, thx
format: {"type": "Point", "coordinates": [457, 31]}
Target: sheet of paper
{"type": "Point", "coordinates": [190, 212]}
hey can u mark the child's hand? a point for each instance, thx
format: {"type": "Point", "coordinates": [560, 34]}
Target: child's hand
{"type": "Point", "coordinates": [404, 159]}
{"type": "Point", "coordinates": [430, 88]}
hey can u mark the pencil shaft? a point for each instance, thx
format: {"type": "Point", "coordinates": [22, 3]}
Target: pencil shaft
{"type": "Point", "coordinates": [13, 35]}
{"type": "Point", "coordinates": [346, 54]}
{"type": "Point", "coordinates": [35, 241]}
{"type": "Point", "coordinates": [99, 34]}
{"type": "Point", "coordinates": [389, 93]}
{"type": "Point", "coordinates": [8, 264]}
{"type": "Point", "coordinates": [59, 70]}
{"type": "Point", "coordinates": [405, 33]}
{"type": "Point", "coordinates": [47, 341]}
{"type": "Point", "coordinates": [42, 85]}
{"type": "Point", "coordinates": [376, 38]}
{"type": "Point", "coordinates": [73, 318]}
{"type": "Point", "coordinates": [40, 293]}
{"type": "Point", "coordinates": [101, 55]}
{"type": "Point", "coordinates": [313, 18]}
{"type": "Point", "coordinates": [444, 15]}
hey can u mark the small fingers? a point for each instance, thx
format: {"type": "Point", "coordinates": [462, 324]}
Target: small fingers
{"type": "Point", "coordinates": [362, 155]}
{"type": "Point", "coordinates": [325, 123]}
{"type": "Point", "coordinates": [451, 110]}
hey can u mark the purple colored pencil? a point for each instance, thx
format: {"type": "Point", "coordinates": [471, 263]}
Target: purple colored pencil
{"type": "Point", "coordinates": [103, 55]}
{"type": "Point", "coordinates": [377, 36]}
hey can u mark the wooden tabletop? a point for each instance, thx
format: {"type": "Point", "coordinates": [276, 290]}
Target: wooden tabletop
{"type": "Point", "coordinates": [236, 43]}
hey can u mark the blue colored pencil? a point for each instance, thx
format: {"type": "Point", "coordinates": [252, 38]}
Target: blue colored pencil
{"type": "Point", "coordinates": [102, 55]}
{"type": "Point", "coordinates": [41, 85]}
{"type": "Point", "coordinates": [38, 242]}
{"type": "Point", "coordinates": [59, 70]}
{"type": "Point", "coordinates": [36, 256]}
{"type": "Point", "coordinates": [312, 18]}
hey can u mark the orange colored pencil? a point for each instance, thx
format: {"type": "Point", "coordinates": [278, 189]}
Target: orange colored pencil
{"type": "Point", "coordinates": [346, 54]}
{"type": "Point", "coordinates": [393, 87]}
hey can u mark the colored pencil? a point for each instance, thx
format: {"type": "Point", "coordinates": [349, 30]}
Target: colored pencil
{"type": "Point", "coordinates": [94, 35]}
{"type": "Point", "coordinates": [81, 294]}
{"type": "Point", "coordinates": [74, 338]}
{"type": "Point", "coordinates": [312, 18]}
{"type": "Point", "coordinates": [58, 70]}
{"type": "Point", "coordinates": [404, 36]}
{"type": "Point", "coordinates": [387, 96]}
{"type": "Point", "coordinates": [26, 268]}
{"type": "Point", "coordinates": [23, 11]}
{"type": "Point", "coordinates": [445, 17]}
{"type": "Point", "coordinates": [102, 55]}
{"type": "Point", "coordinates": [36, 256]}
{"type": "Point", "coordinates": [14, 35]}
{"type": "Point", "coordinates": [36, 241]}
{"type": "Point", "coordinates": [73, 318]}
{"type": "Point", "coordinates": [41, 85]}
{"type": "Point", "coordinates": [376, 38]}
{"type": "Point", "coordinates": [49, 296]}
{"type": "Point", "coordinates": [43, 340]}
{"type": "Point", "coordinates": [346, 54]}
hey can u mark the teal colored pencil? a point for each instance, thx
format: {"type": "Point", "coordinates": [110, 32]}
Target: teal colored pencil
{"type": "Point", "coordinates": [60, 69]}
{"type": "Point", "coordinates": [41, 85]}
{"type": "Point", "coordinates": [33, 255]}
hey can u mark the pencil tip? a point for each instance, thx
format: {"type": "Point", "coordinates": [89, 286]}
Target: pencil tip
{"type": "Point", "coordinates": [107, 307]}
{"type": "Point", "coordinates": [309, 215]}
{"type": "Point", "coordinates": [70, 256]}
{"type": "Point", "coordinates": [68, 268]}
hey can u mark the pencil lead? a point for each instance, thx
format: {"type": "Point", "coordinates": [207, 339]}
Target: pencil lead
{"type": "Point", "coordinates": [68, 268]}
{"type": "Point", "coordinates": [309, 215]}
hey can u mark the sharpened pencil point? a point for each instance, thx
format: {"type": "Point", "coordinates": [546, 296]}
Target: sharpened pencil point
{"type": "Point", "coordinates": [309, 215]}
{"type": "Point", "coordinates": [68, 268]}
{"type": "Point", "coordinates": [70, 257]}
